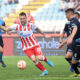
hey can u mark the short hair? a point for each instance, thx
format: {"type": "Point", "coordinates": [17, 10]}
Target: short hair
{"type": "Point", "coordinates": [77, 13]}
{"type": "Point", "coordinates": [22, 14]}
{"type": "Point", "coordinates": [70, 10]}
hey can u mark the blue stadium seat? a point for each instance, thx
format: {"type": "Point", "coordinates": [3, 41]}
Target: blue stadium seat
{"type": "Point", "coordinates": [6, 8]}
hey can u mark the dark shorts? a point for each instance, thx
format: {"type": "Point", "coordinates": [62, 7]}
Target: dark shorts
{"type": "Point", "coordinates": [70, 47]}
{"type": "Point", "coordinates": [1, 41]}
{"type": "Point", "coordinates": [76, 51]}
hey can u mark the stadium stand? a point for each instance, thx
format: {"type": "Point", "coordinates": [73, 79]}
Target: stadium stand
{"type": "Point", "coordinates": [45, 12]}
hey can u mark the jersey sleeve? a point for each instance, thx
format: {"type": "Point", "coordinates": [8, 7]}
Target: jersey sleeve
{"type": "Point", "coordinates": [3, 24]}
{"type": "Point", "coordinates": [74, 23]}
{"type": "Point", "coordinates": [14, 27]}
{"type": "Point", "coordinates": [33, 27]}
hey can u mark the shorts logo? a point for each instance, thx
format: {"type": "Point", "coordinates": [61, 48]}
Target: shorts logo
{"type": "Point", "coordinates": [39, 50]}
{"type": "Point", "coordinates": [75, 55]}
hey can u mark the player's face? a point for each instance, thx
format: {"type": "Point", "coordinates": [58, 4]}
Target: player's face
{"type": "Point", "coordinates": [68, 16]}
{"type": "Point", "coordinates": [22, 19]}
{"type": "Point", "coordinates": [76, 16]}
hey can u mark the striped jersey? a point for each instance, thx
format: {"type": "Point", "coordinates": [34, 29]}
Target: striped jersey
{"type": "Point", "coordinates": [26, 35]}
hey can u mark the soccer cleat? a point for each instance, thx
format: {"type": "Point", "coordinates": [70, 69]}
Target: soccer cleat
{"type": "Point", "coordinates": [71, 69]}
{"type": "Point", "coordinates": [79, 65]}
{"type": "Point", "coordinates": [50, 63]}
{"type": "Point", "coordinates": [78, 75]}
{"type": "Point", "coordinates": [44, 73]}
{"type": "Point", "coordinates": [75, 75]}
{"type": "Point", "coordinates": [3, 64]}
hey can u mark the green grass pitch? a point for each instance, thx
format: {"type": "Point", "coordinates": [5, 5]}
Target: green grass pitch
{"type": "Point", "coordinates": [59, 72]}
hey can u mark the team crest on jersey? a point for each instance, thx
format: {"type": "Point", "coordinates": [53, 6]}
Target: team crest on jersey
{"type": "Point", "coordinates": [24, 34]}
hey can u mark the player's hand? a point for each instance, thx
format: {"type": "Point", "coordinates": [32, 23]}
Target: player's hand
{"type": "Point", "coordinates": [9, 33]}
{"type": "Point", "coordinates": [69, 41]}
{"type": "Point", "coordinates": [47, 36]}
{"type": "Point", "coordinates": [60, 46]}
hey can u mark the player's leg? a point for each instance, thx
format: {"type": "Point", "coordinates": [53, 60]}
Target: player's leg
{"type": "Point", "coordinates": [41, 57]}
{"type": "Point", "coordinates": [75, 59]}
{"type": "Point", "coordinates": [1, 52]}
{"type": "Point", "coordinates": [68, 58]}
{"type": "Point", "coordinates": [69, 55]}
{"type": "Point", "coordinates": [75, 67]}
{"type": "Point", "coordinates": [39, 65]}
{"type": "Point", "coordinates": [30, 54]}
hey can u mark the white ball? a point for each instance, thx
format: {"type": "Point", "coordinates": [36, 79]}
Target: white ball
{"type": "Point", "coordinates": [21, 64]}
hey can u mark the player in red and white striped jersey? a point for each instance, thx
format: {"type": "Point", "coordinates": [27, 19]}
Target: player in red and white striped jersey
{"type": "Point", "coordinates": [29, 43]}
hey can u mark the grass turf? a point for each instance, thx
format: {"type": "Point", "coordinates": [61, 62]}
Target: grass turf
{"type": "Point", "coordinates": [59, 72]}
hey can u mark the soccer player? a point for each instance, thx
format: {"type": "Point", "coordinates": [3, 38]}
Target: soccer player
{"type": "Point", "coordinates": [69, 52]}
{"type": "Point", "coordinates": [29, 43]}
{"type": "Point", "coordinates": [1, 44]}
{"type": "Point", "coordinates": [73, 40]}
{"type": "Point", "coordinates": [77, 15]}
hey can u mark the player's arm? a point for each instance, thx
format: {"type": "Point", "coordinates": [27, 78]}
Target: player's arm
{"type": "Point", "coordinates": [6, 29]}
{"type": "Point", "coordinates": [61, 37]}
{"type": "Point", "coordinates": [13, 27]}
{"type": "Point", "coordinates": [63, 43]}
{"type": "Point", "coordinates": [74, 31]}
{"type": "Point", "coordinates": [41, 32]}
{"type": "Point", "coordinates": [69, 39]}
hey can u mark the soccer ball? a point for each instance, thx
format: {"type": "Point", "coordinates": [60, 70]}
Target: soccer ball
{"type": "Point", "coordinates": [21, 64]}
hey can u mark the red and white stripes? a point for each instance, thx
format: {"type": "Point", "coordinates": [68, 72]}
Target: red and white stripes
{"type": "Point", "coordinates": [27, 41]}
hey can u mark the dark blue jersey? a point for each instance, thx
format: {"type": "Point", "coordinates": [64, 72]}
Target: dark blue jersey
{"type": "Point", "coordinates": [3, 24]}
{"type": "Point", "coordinates": [75, 23]}
{"type": "Point", "coordinates": [67, 29]}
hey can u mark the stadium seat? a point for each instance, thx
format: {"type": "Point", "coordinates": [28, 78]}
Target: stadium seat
{"type": "Point", "coordinates": [45, 11]}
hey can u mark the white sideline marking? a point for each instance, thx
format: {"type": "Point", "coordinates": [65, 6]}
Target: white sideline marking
{"type": "Point", "coordinates": [49, 78]}
{"type": "Point", "coordinates": [61, 78]}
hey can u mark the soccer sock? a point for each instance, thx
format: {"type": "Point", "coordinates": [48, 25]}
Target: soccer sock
{"type": "Point", "coordinates": [1, 57]}
{"type": "Point", "coordinates": [40, 66]}
{"type": "Point", "coordinates": [78, 64]}
{"type": "Point", "coordinates": [68, 60]}
{"type": "Point", "coordinates": [75, 68]}
{"type": "Point", "coordinates": [44, 58]}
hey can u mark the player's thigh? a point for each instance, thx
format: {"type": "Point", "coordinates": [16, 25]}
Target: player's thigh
{"type": "Point", "coordinates": [37, 50]}
{"type": "Point", "coordinates": [76, 56]}
{"type": "Point", "coordinates": [1, 49]}
{"type": "Point", "coordinates": [30, 54]}
{"type": "Point", "coordinates": [33, 58]}
{"type": "Point", "coordinates": [40, 57]}
{"type": "Point", "coordinates": [69, 54]}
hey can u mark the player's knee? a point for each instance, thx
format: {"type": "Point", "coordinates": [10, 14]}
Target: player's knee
{"type": "Point", "coordinates": [1, 50]}
{"type": "Point", "coordinates": [69, 55]}
{"type": "Point", "coordinates": [33, 59]}
{"type": "Point", "coordinates": [74, 61]}
{"type": "Point", "coordinates": [39, 58]}
{"type": "Point", "coordinates": [69, 60]}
